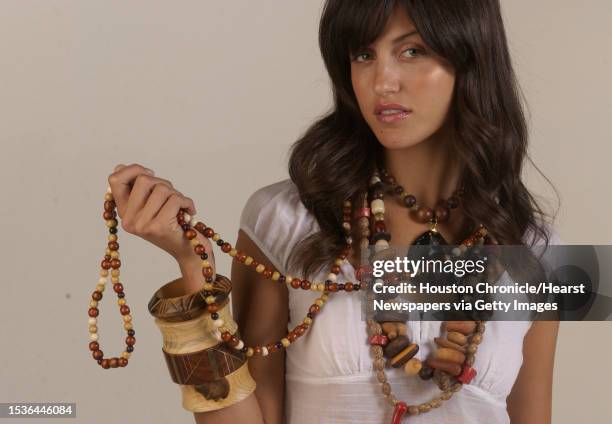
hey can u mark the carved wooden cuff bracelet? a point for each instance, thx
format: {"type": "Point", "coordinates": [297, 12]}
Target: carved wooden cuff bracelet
{"type": "Point", "coordinates": [211, 374]}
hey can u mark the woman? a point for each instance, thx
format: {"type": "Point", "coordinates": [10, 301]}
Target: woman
{"type": "Point", "coordinates": [426, 90]}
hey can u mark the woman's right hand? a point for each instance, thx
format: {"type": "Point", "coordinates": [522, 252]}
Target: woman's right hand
{"type": "Point", "coordinates": [147, 207]}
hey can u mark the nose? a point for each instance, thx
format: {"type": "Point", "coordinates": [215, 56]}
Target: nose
{"type": "Point", "coordinates": [386, 79]}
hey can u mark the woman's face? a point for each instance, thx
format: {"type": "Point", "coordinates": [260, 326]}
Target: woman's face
{"type": "Point", "coordinates": [403, 89]}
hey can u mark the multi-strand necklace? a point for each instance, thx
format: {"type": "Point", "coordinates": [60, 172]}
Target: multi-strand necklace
{"type": "Point", "coordinates": [450, 368]}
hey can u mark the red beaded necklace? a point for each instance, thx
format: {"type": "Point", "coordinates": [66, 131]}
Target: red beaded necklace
{"type": "Point", "coordinates": [385, 340]}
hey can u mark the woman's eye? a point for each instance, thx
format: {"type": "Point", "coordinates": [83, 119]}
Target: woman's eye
{"type": "Point", "coordinates": [413, 52]}
{"type": "Point", "coordinates": [361, 57]}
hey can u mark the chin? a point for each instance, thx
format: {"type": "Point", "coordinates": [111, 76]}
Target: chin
{"type": "Point", "coordinates": [394, 142]}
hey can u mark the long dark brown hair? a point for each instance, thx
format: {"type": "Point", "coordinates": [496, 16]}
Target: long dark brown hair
{"type": "Point", "coordinates": [336, 156]}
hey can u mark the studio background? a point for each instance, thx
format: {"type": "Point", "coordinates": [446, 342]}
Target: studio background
{"type": "Point", "coordinates": [211, 95]}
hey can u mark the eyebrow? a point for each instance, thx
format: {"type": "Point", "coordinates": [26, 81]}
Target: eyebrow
{"type": "Point", "coordinates": [401, 37]}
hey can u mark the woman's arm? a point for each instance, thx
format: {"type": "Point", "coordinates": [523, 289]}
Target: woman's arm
{"type": "Point", "coordinates": [530, 401]}
{"type": "Point", "coordinates": [261, 310]}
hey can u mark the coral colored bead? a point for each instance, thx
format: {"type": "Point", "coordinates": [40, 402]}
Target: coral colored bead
{"type": "Point", "coordinates": [398, 412]}
{"type": "Point", "coordinates": [379, 339]}
{"type": "Point", "coordinates": [467, 374]}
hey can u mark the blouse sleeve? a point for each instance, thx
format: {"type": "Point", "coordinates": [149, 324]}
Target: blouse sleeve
{"type": "Point", "coordinates": [275, 220]}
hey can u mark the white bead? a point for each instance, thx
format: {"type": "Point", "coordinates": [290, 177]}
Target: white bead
{"type": "Point", "coordinates": [381, 244]}
{"type": "Point", "coordinates": [92, 321]}
{"type": "Point", "coordinates": [218, 323]}
{"type": "Point", "coordinates": [217, 335]}
{"type": "Point", "coordinates": [240, 345]}
{"type": "Point", "coordinates": [194, 221]}
{"type": "Point", "coordinates": [102, 280]}
{"type": "Point", "coordinates": [93, 337]}
{"type": "Point", "coordinates": [332, 277]}
{"type": "Point", "coordinates": [186, 218]}
{"type": "Point", "coordinates": [264, 351]}
{"type": "Point", "coordinates": [378, 206]}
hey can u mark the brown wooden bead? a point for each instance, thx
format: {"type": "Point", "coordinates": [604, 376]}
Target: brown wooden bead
{"type": "Point", "coordinates": [226, 336]}
{"type": "Point", "coordinates": [130, 340]}
{"type": "Point", "coordinates": [200, 227]}
{"type": "Point", "coordinates": [442, 342]}
{"type": "Point", "coordinates": [423, 214]}
{"type": "Point", "coordinates": [105, 264]}
{"type": "Point", "coordinates": [267, 273]}
{"type": "Point", "coordinates": [212, 308]}
{"type": "Point", "coordinates": [123, 362]}
{"type": "Point", "coordinates": [452, 355]}
{"type": "Point", "coordinates": [124, 310]}
{"type": "Point", "coordinates": [96, 295]}
{"type": "Point", "coordinates": [299, 330]}
{"type": "Point", "coordinates": [105, 364]}
{"type": "Point", "coordinates": [209, 232]}
{"type": "Point", "coordinates": [98, 354]}
{"type": "Point", "coordinates": [113, 245]}
{"type": "Point", "coordinates": [257, 350]}
{"type": "Point", "coordinates": [291, 337]}
{"type": "Point", "coordinates": [207, 272]}
{"type": "Point", "coordinates": [296, 283]}
{"type": "Point", "coordinates": [226, 247]}
{"type": "Point", "coordinates": [335, 269]}
{"type": "Point", "coordinates": [118, 287]}
{"type": "Point", "coordinates": [305, 284]}
{"type": "Point", "coordinates": [114, 362]}
{"type": "Point", "coordinates": [115, 263]}
{"type": "Point", "coordinates": [441, 213]}
{"type": "Point", "coordinates": [190, 234]}
{"type": "Point", "coordinates": [451, 368]}
{"type": "Point", "coordinates": [199, 249]}
{"type": "Point", "coordinates": [463, 327]}
{"type": "Point", "coordinates": [476, 338]}
{"type": "Point", "coordinates": [109, 205]}
{"type": "Point", "coordinates": [93, 312]}
{"type": "Point", "coordinates": [404, 356]}
{"type": "Point", "coordinates": [93, 346]}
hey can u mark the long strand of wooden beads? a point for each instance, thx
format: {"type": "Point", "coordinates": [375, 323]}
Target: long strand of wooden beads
{"type": "Point", "coordinates": [110, 262]}
{"type": "Point", "coordinates": [222, 333]}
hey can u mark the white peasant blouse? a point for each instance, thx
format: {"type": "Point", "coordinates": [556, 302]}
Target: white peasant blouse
{"type": "Point", "coordinates": [329, 374]}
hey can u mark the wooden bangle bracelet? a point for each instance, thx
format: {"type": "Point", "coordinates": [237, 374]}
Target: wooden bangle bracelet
{"type": "Point", "coordinates": [164, 305]}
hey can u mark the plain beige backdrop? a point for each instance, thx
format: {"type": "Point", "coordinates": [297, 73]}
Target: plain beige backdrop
{"type": "Point", "coordinates": [211, 95]}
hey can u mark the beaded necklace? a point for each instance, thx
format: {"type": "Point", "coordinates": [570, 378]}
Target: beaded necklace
{"type": "Point", "coordinates": [456, 353]}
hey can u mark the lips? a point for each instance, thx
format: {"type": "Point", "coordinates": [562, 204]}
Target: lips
{"type": "Point", "coordinates": [390, 112]}
{"type": "Point", "coordinates": [390, 108]}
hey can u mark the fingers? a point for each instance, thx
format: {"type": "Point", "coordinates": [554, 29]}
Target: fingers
{"type": "Point", "coordinates": [170, 209]}
{"type": "Point", "coordinates": [143, 186]}
{"type": "Point", "coordinates": [159, 195]}
{"type": "Point", "coordinates": [121, 181]}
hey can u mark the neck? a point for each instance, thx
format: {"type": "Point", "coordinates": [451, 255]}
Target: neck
{"type": "Point", "coordinates": [428, 170]}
